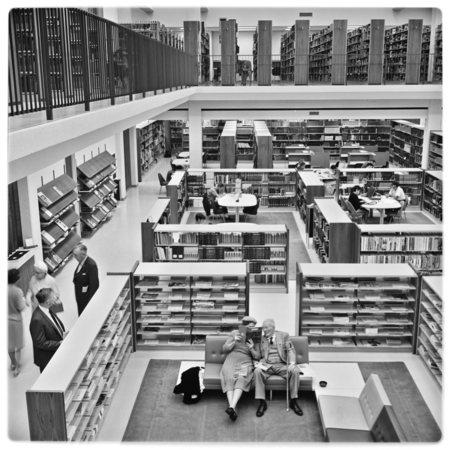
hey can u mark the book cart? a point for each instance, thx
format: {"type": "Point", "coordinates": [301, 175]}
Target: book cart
{"type": "Point", "coordinates": [358, 307]}
{"type": "Point", "coordinates": [70, 399]}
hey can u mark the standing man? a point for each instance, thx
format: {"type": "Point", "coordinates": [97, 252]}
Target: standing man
{"type": "Point", "coordinates": [47, 330]}
{"type": "Point", "coordinates": [85, 277]}
{"type": "Point", "coordinates": [276, 350]}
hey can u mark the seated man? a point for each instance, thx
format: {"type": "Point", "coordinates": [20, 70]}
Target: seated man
{"type": "Point", "coordinates": [276, 350]}
{"type": "Point", "coordinates": [398, 194]}
{"type": "Point", "coordinates": [357, 203]}
{"type": "Point", "coordinates": [213, 194]}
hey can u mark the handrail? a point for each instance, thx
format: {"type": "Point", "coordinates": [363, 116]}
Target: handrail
{"type": "Point", "coordinates": [61, 57]}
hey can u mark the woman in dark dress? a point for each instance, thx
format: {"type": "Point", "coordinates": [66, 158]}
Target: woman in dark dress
{"type": "Point", "coordinates": [236, 375]}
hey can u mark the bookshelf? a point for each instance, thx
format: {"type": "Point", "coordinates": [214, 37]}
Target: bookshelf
{"type": "Point", "coordinates": [369, 133]}
{"type": "Point", "coordinates": [287, 55]}
{"type": "Point", "coordinates": [211, 140]}
{"type": "Point", "coordinates": [406, 144]}
{"type": "Point", "coordinates": [178, 312]}
{"type": "Point", "coordinates": [276, 187]}
{"type": "Point", "coordinates": [58, 220]}
{"type": "Point", "coordinates": [263, 145]}
{"type": "Point", "coordinates": [411, 180]}
{"type": "Point", "coordinates": [327, 50]}
{"type": "Point", "coordinates": [185, 137]}
{"type": "Point", "coordinates": [195, 187]}
{"type": "Point", "coordinates": [432, 193]}
{"type": "Point", "coordinates": [358, 307]}
{"type": "Point", "coordinates": [176, 134]}
{"type": "Point", "coordinates": [301, 61]}
{"type": "Point", "coordinates": [309, 187]}
{"type": "Point", "coordinates": [418, 245]}
{"type": "Point", "coordinates": [255, 55]}
{"type": "Point", "coordinates": [435, 154]}
{"type": "Point", "coordinates": [264, 247]}
{"type": "Point", "coordinates": [205, 52]}
{"type": "Point", "coordinates": [358, 45]}
{"type": "Point", "coordinates": [228, 39]}
{"type": "Point", "coordinates": [150, 144]}
{"type": "Point", "coordinates": [264, 49]}
{"type": "Point", "coordinates": [429, 341]}
{"type": "Point", "coordinates": [96, 190]}
{"type": "Point", "coordinates": [70, 399]}
{"type": "Point", "coordinates": [228, 145]}
{"type": "Point", "coordinates": [437, 67]}
{"type": "Point", "coordinates": [176, 192]}
{"type": "Point", "coordinates": [425, 53]}
{"type": "Point", "coordinates": [333, 231]}
{"type": "Point", "coordinates": [245, 142]}
{"type": "Point", "coordinates": [159, 214]}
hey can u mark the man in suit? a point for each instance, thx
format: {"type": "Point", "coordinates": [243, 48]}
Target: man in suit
{"type": "Point", "coordinates": [85, 277]}
{"type": "Point", "coordinates": [47, 330]}
{"type": "Point", "coordinates": [276, 350]}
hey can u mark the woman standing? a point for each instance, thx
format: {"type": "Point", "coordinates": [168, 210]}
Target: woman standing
{"type": "Point", "coordinates": [236, 375]}
{"type": "Point", "coordinates": [41, 279]}
{"type": "Point", "coordinates": [16, 304]}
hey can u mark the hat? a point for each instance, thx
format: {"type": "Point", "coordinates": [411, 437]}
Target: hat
{"type": "Point", "coordinates": [249, 319]}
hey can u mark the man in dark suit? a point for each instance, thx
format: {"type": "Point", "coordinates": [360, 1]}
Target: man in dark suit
{"type": "Point", "coordinates": [47, 330]}
{"type": "Point", "coordinates": [85, 277]}
{"type": "Point", "coordinates": [276, 350]}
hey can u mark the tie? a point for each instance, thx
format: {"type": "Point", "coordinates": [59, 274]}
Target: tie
{"type": "Point", "coordinates": [271, 340]}
{"type": "Point", "coordinates": [56, 320]}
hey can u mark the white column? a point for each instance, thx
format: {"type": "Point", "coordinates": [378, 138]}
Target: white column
{"type": "Point", "coordinates": [120, 160]}
{"type": "Point", "coordinates": [432, 123]}
{"type": "Point", "coordinates": [133, 155]}
{"type": "Point", "coordinates": [195, 135]}
{"type": "Point", "coordinates": [29, 212]}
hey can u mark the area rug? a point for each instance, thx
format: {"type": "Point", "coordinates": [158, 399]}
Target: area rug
{"type": "Point", "coordinates": [160, 416]}
{"type": "Point", "coordinates": [297, 249]}
{"type": "Point", "coordinates": [412, 218]}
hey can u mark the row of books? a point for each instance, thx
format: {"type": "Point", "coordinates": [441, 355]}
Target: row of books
{"type": "Point", "coordinates": [420, 262]}
{"type": "Point", "coordinates": [402, 243]}
{"type": "Point", "coordinates": [355, 331]}
{"type": "Point", "coordinates": [270, 279]}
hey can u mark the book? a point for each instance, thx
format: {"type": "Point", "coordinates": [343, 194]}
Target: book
{"type": "Point", "coordinates": [341, 331]}
{"type": "Point", "coordinates": [338, 341]}
{"type": "Point", "coordinates": [370, 342]}
{"type": "Point", "coordinates": [317, 308]}
{"type": "Point", "coordinates": [177, 341]}
{"type": "Point", "coordinates": [151, 342]}
{"type": "Point", "coordinates": [177, 330]}
{"type": "Point", "coordinates": [316, 331]}
{"type": "Point", "coordinates": [262, 366]}
{"type": "Point", "coordinates": [253, 333]}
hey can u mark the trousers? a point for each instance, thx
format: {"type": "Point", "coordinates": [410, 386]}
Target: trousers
{"type": "Point", "coordinates": [261, 376]}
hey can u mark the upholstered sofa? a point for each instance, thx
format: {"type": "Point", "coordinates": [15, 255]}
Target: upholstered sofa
{"type": "Point", "coordinates": [215, 357]}
{"type": "Point", "coordinates": [367, 418]}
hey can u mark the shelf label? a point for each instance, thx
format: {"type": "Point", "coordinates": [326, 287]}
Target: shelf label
{"type": "Point", "coordinates": [44, 198]}
{"type": "Point", "coordinates": [57, 258]}
{"type": "Point", "coordinates": [46, 212]}
{"type": "Point", "coordinates": [61, 225]}
{"type": "Point", "coordinates": [47, 237]}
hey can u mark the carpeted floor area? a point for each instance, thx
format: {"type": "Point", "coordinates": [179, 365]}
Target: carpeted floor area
{"type": "Point", "coordinates": [161, 416]}
{"type": "Point", "coordinates": [297, 249]}
{"type": "Point", "coordinates": [412, 218]}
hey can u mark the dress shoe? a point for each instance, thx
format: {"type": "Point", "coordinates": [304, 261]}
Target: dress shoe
{"type": "Point", "coordinates": [294, 406]}
{"type": "Point", "coordinates": [261, 409]}
{"type": "Point", "coordinates": [232, 413]}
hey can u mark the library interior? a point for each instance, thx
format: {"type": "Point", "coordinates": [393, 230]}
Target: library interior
{"type": "Point", "coordinates": [182, 178]}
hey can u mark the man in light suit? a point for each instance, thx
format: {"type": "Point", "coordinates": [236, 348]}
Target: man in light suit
{"type": "Point", "coordinates": [276, 350]}
{"type": "Point", "coordinates": [85, 277]}
{"type": "Point", "coordinates": [47, 330]}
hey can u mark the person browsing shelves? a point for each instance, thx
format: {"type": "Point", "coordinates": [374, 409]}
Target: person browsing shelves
{"type": "Point", "coordinates": [277, 352]}
{"type": "Point", "coordinates": [397, 193]}
{"type": "Point", "coordinates": [357, 203]}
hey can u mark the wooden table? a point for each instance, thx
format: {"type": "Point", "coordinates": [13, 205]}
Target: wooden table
{"type": "Point", "coordinates": [381, 205]}
{"type": "Point", "coordinates": [230, 201]}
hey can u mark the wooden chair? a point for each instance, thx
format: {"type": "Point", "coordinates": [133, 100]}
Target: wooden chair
{"type": "Point", "coordinates": [162, 182]}
{"type": "Point", "coordinates": [251, 210]}
{"type": "Point", "coordinates": [217, 211]}
{"type": "Point", "coordinates": [398, 214]}
{"type": "Point", "coordinates": [355, 216]}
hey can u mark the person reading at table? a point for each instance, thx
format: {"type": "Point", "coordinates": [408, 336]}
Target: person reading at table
{"type": "Point", "coordinates": [397, 193]}
{"type": "Point", "coordinates": [213, 194]}
{"type": "Point", "coordinates": [357, 203]}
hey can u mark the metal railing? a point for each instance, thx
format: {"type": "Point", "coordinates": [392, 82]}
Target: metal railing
{"type": "Point", "coordinates": [65, 56]}
{"type": "Point", "coordinates": [346, 69]}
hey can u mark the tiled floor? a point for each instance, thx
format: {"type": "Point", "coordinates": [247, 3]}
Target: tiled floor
{"type": "Point", "coordinates": [116, 246]}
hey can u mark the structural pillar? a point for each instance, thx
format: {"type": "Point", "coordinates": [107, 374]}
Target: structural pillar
{"type": "Point", "coordinates": [195, 136]}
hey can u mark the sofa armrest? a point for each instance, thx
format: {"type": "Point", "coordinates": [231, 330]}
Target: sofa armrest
{"type": "Point", "coordinates": [214, 349]}
{"type": "Point", "coordinates": [387, 428]}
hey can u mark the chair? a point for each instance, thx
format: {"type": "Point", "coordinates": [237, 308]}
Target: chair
{"type": "Point", "coordinates": [206, 205]}
{"type": "Point", "coordinates": [355, 216]}
{"type": "Point", "coordinates": [343, 204]}
{"type": "Point", "coordinates": [251, 210]}
{"type": "Point", "coordinates": [162, 182]}
{"type": "Point", "coordinates": [218, 211]}
{"type": "Point", "coordinates": [398, 214]}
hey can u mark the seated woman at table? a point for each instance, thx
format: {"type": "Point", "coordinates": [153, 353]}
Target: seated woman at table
{"type": "Point", "coordinates": [398, 194]}
{"type": "Point", "coordinates": [301, 165]}
{"type": "Point", "coordinates": [236, 375]}
{"type": "Point", "coordinates": [213, 194]}
{"type": "Point", "coordinates": [357, 203]}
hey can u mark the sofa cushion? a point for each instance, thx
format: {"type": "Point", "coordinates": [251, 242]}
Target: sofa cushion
{"type": "Point", "coordinates": [211, 377]}
{"type": "Point", "coordinates": [214, 349]}
{"type": "Point", "coordinates": [344, 435]}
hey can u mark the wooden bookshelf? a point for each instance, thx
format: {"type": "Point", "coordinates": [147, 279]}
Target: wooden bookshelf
{"type": "Point", "coordinates": [150, 145]}
{"type": "Point", "coordinates": [437, 67]}
{"type": "Point", "coordinates": [433, 192]}
{"type": "Point", "coordinates": [228, 145]}
{"type": "Point", "coordinates": [333, 233]}
{"type": "Point", "coordinates": [301, 61]}
{"type": "Point", "coordinates": [245, 141]}
{"type": "Point", "coordinates": [176, 134]}
{"type": "Point", "coordinates": [369, 133]}
{"type": "Point", "coordinates": [176, 191]}
{"type": "Point", "coordinates": [255, 55]}
{"type": "Point", "coordinates": [420, 246]}
{"type": "Point", "coordinates": [228, 37]}
{"type": "Point", "coordinates": [265, 248]}
{"type": "Point", "coordinates": [287, 55]}
{"type": "Point", "coordinates": [185, 137]}
{"type": "Point", "coordinates": [211, 140]}
{"type": "Point", "coordinates": [263, 145]}
{"type": "Point", "coordinates": [406, 144]}
{"type": "Point", "coordinates": [309, 187]}
{"type": "Point", "coordinates": [96, 190]}
{"type": "Point", "coordinates": [429, 340]}
{"type": "Point", "coordinates": [411, 181]}
{"type": "Point", "coordinates": [425, 53]}
{"type": "Point", "coordinates": [70, 399]}
{"type": "Point", "coordinates": [195, 187]}
{"type": "Point", "coordinates": [435, 155]}
{"type": "Point", "coordinates": [264, 52]}
{"type": "Point", "coordinates": [358, 307]}
{"type": "Point", "coordinates": [358, 50]}
{"type": "Point", "coordinates": [59, 220]}
{"type": "Point", "coordinates": [178, 312]}
{"type": "Point", "coordinates": [159, 214]}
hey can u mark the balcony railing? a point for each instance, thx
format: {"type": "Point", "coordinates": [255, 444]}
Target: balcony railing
{"type": "Point", "coordinates": [65, 56]}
